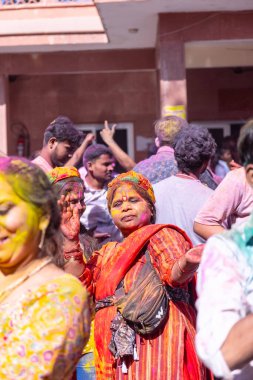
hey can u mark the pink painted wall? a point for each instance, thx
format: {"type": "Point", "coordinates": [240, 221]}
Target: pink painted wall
{"type": "Point", "coordinates": [85, 98]}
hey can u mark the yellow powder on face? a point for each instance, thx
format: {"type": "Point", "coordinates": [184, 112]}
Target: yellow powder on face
{"type": "Point", "coordinates": [19, 223]}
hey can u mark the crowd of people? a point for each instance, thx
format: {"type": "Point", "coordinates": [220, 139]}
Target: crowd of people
{"type": "Point", "coordinates": [140, 275]}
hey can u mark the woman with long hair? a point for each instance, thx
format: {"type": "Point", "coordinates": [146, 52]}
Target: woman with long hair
{"type": "Point", "coordinates": [44, 313]}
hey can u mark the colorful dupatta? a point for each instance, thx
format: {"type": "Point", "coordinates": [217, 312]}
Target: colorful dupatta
{"type": "Point", "coordinates": [125, 255]}
{"type": "Point", "coordinates": [170, 354]}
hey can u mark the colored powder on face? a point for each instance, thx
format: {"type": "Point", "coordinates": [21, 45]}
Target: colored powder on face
{"type": "Point", "coordinates": [74, 188]}
{"type": "Point", "coordinates": [21, 186]}
{"type": "Point", "coordinates": [145, 216]}
{"type": "Point", "coordinates": [140, 209]}
{"type": "Point", "coordinates": [23, 215]}
{"type": "Point", "coordinates": [114, 212]}
{"type": "Point", "coordinates": [15, 182]}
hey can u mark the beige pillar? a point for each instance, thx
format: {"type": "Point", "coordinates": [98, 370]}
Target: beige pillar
{"type": "Point", "coordinates": [3, 114]}
{"type": "Point", "coordinates": [172, 77]}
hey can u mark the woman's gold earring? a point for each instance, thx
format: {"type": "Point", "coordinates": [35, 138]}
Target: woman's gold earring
{"type": "Point", "coordinates": [43, 234]}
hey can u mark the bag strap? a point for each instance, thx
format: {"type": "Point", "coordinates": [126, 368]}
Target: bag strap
{"type": "Point", "coordinates": [133, 245]}
{"type": "Point", "coordinates": [147, 255]}
{"type": "Point", "coordinates": [120, 290]}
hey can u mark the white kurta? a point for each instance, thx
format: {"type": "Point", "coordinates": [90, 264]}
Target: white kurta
{"type": "Point", "coordinates": [225, 290]}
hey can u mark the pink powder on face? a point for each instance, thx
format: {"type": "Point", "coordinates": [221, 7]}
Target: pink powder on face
{"type": "Point", "coordinates": [144, 216]}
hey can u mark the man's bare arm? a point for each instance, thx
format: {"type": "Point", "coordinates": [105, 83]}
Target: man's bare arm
{"type": "Point", "coordinates": [122, 157]}
{"type": "Point", "coordinates": [205, 230]}
{"type": "Point", "coordinates": [237, 350]}
{"type": "Point", "coordinates": [78, 154]}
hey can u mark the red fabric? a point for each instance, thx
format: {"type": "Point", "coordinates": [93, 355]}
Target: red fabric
{"type": "Point", "coordinates": [170, 354]}
{"type": "Point", "coordinates": [120, 263]}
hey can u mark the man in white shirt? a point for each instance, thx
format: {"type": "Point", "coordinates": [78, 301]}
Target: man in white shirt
{"type": "Point", "coordinates": [179, 197]}
{"type": "Point", "coordinates": [224, 338]}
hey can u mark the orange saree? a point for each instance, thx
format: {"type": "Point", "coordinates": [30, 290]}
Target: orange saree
{"type": "Point", "coordinates": [170, 353]}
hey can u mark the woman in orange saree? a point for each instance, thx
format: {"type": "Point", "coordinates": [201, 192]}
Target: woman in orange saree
{"type": "Point", "coordinates": [170, 352]}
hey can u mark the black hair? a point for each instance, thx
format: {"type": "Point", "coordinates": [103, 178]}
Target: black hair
{"type": "Point", "coordinates": [194, 146]}
{"type": "Point", "coordinates": [94, 151]}
{"type": "Point", "coordinates": [63, 129]}
{"type": "Point", "coordinates": [245, 143]}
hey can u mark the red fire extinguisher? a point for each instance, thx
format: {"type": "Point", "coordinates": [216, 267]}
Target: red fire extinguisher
{"type": "Point", "coordinates": [21, 145]}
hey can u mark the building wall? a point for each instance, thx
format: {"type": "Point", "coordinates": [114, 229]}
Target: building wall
{"type": "Point", "coordinates": [86, 98]}
{"type": "Point", "coordinates": [213, 94]}
{"type": "Point", "coordinates": [220, 94]}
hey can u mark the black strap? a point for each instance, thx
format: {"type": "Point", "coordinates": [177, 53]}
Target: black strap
{"type": "Point", "coordinates": [120, 290]}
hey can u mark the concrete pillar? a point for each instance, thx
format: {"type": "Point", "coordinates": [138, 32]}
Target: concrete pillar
{"type": "Point", "coordinates": [172, 78]}
{"type": "Point", "coordinates": [3, 114]}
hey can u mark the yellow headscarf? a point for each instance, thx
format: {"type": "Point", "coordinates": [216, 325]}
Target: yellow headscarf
{"type": "Point", "coordinates": [60, 173]}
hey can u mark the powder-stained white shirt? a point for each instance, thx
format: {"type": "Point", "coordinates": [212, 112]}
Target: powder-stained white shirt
{"type": "Point", "coordinates": [225, 291]}
{"type": "Point", "coordinates": [178, 201]}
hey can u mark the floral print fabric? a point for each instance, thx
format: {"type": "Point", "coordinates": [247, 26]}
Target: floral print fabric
{"type": "Point", "coordinates": [43, 335]}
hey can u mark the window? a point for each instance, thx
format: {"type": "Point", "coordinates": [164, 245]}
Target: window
{"type": "Point", "coordinates": [221, 129]}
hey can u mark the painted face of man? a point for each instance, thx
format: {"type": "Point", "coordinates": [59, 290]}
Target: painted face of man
{"type": "Point", "coordinates": [61, 152]}
{"type": "Point", "coordinates": [129, 210]}
{"type": "Point", "coordinates": [20, 229]}
{"type": "Point", "coordinates": [75, 191]}
{"type": "Point", "coordinates": [102, 168]}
